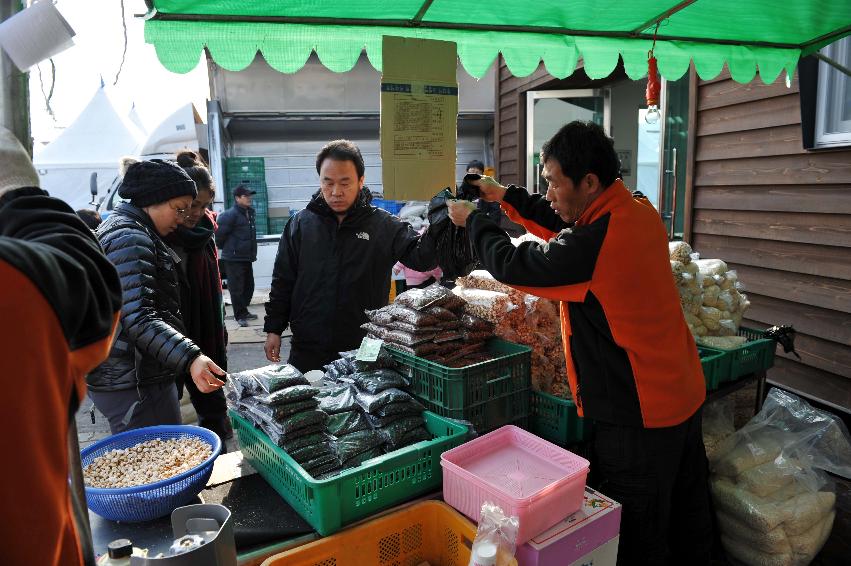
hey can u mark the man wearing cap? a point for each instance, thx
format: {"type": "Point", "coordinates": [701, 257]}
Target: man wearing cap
{"type": "Point", "coordinates": [237, 238]}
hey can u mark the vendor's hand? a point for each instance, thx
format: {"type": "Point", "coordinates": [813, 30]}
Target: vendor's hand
{"type": "Point", "coordinates": [489, 189]}
{"type": "Point", "coordinates": [205, 373]}
{"type": "Point", "coordinates": [273, 347]}
{"type": "Point", "coordinates": [459, 211]}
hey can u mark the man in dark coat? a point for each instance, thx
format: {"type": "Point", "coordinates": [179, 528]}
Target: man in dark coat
{"type": "Point", "coordinates": [237, 238]}
{"type": "Point", "coordinates": [334, 261]}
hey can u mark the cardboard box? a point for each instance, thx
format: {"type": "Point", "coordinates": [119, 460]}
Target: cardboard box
{"type": "Point", "coordinates": [587, 537]}
{"type": "Point", "coordinates": [419, 117]}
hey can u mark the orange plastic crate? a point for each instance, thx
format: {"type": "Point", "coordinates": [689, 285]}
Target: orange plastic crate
{"type": "Point", "coordinates": [430, 531]}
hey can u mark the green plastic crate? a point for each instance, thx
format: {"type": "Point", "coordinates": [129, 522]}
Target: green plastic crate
{"type": "Point", "coordinates": [357, 493]}
{"type": "Point", "coordinates": [488, 394]}
{"type": "Point", "coordinates": [714, 372]}
{"type": "Point", "coordinates": [757, 354]}
{"type": "Point", "coordinates": [555, 419]}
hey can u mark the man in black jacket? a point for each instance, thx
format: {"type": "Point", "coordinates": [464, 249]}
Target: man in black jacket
{"type": "Point", "coordinates": [237, 237]}
{"type": "Point", "coordinates": [334, 261]}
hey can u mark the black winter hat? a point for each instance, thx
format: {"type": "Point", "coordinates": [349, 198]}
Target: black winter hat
{"type": "Point", "coordinates": [154, 181]}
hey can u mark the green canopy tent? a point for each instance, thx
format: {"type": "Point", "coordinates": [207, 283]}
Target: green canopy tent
{"type": "Point", "coordinates": [749, 36]}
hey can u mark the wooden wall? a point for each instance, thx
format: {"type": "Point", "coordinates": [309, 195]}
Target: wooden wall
{"type": "Point", "coordinates": [781, 216]}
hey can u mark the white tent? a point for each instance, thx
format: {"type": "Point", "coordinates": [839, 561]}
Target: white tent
{"type": "Point", "coordinates": [94, 143]}
{"type": "Point", "coordinates": [134, 117]}
{"type": "Point", "coordinates": [184, 129]}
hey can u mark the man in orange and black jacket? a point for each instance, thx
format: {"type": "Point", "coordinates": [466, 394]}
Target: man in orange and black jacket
{"type": "Point", "coordinates": [632, 364]}
{"type": "Point", "coordinates": [59, 303]}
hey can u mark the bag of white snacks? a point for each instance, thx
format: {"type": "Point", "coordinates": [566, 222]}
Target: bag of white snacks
{"type": "Point", "coordinates": [775, 504]}
{"type": "Point", "coordinates": [712, 298]}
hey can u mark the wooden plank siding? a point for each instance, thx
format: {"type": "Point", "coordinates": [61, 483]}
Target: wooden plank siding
{"type": "Point", "coordinates": [780, 216]}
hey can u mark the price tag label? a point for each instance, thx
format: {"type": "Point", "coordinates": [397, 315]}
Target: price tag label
{"type": "Point", "coordinates": [369, 350]}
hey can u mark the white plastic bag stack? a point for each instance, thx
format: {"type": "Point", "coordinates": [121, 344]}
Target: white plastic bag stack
{"type": "Point", "coordinates": [416, 214]}
{"type": "Point", "coordinates": [775, 505]}
{"type": "Point", "coordinates": [711, 296]}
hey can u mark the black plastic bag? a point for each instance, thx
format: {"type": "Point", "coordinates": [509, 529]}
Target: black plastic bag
{"type": "Point", "coordinates": [271, 378]}
{"type": "Point", "coordinates": [382, 422]}
{"type": "Point", "coordinates": [337, 399]}
{"type": "Point", "coordinates": [307, 440]}
{"type": "Point", "coordinates": [312, 466]}
{"type": "Point", "coordinates": [414, 436]}
{"type": "Point", "coordinates": [292, 394]}
{"type": "Point", "coordinates": [311, 452]}
{"type": "Point", "coordinates": [279, 412]}
{"type": "Point", "coordinates": [359, 459]}
{"type": "Point", "coordinates": [342, 424]}
{"type": "Point", "coordinates": [283, 439]}
{"type": "Point", "coordinates": [394, 433]}
{"type": "Point", "coordinates": [455, 254]}
{"type": "Point", "coordinates": [301, 420]}
{"type": "Point", "coordinates": [411, 407]}
{"type": "Point", "coordinates": [411, 329]}
{"type": "Point", "coordinates": [377, 381]}
{"type": "Point", "coordinates": [351, 445]}
{"type": "Point", "coordinates": [330, 470]}
{"type": "Point", "coordinates": [373, 403]}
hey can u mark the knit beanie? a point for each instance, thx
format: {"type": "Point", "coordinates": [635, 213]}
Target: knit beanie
{"type": "Point", "coordinates": [154, 181]}
{"type": "Point", "coordinates": [16, 168]}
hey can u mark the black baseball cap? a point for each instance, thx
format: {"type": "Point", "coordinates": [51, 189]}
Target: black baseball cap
{"type": "Point", "coordinates": [242, 190]}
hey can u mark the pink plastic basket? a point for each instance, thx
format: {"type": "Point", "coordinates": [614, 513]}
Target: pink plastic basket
{"type": "Point", "coordinates": [525, 475]}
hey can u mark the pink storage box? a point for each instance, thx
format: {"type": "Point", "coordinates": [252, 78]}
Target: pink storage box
{"type": "Point", "coordinates": [589, 536]}
{"type": "Point", "coordinates": [526, 476]}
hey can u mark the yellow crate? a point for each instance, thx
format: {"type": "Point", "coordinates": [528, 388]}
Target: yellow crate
{"type": "Point", "coordinates": [430, 531]}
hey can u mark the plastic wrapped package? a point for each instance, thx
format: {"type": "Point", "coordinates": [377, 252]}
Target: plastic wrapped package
{"type": "Point", "coordinates": [679, 251]}
{"type": "Point", "coordinates": [320, 463]}
{"type": "Point", "coordinates": [292, 394]}
{"type": "Point", "coordinates": [308, 439]}
{"type": "Point", "coordinates": [375, 330]}
{"type": "Point", "coordinates": [381, 422]}
{"type": "Point", "coordinates": [395, 431]}
{"type": "Point", "coordinates": [447, 336]}
{"type": "Point", "coordinates": [379, 380]}
{"type": "Point", "coordinates": [311, 452]}
{"type": "Point", "coordinates": [411, 316]}
{"type": "Point", "coordinates": [471, 322]}
{"type": "Point", "coordinates": [411, 437]}
{"type": "Point", "coordinates": [727, 326]}
{"type": "Point", "coordinates": [710, 296]}
{"type": "Point", "coordinates": [712, 267]}
{"type": "Point", "coordinates": [455, 304]}
{"type": "Point", "coordinates": [406, 339]}
{"type": "Point", "coordinates": [305, 419]}
{"type": "Point", "coordinates": [341, 424]}
{"type": "Point", "coordinates": [356, 443]}
{"type": "Point", "coordinates": [284, 439]}
{"type": "Point", "coordinates": [359, 459]}
{"type": "Point", "coordinates": [381, 317]}
{"type": "Point", "coordinates": [678, 271]}
{"type": "Point", "coordinates": [268, 379]}
{"type": "Point", "coordinates": [411, 407]}
{"type": "Point", "coordinates": [440, 313]}
{"type": "Point", "coordinates": [337, 399]}
{"type": "Point", "coordinates": [373, 403]}
{"type": "Point", "coordinates": [280, 412]}
{"type": "Point", "coordinates": [496, 537]}
{"type": "Point", "coordinates": [476, 335]}
{"type": "Point", "coordinates": [419, 299]}
{"type": "Point", "coordinates": [420, 350]}
{"type": "Point", "coordinates": [718, 424]}
{"type": "Point", "coordinates": [481, 279]}
{"type": "Point", "coordinates": [775, 502]}
{"type": "Point", "coordinates": [411, 329]}
{"type": "Point", "coordinates": [489, 305]}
